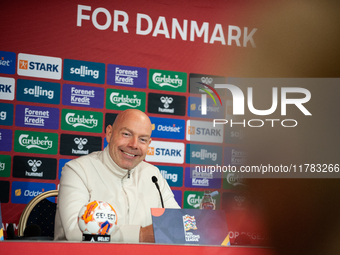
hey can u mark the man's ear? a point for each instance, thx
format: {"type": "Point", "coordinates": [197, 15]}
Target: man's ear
{"type": "Point", "coordinates": [109, 131]}
{"type": "Point", "coordinates": [149, 141]}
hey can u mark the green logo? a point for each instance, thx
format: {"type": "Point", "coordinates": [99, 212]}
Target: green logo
{"type": "Point", "coordinates": [233, 181]}
{"type": "Point", "coordinates": [192, 199]}
{"type": "Point", "coordinates": [5, 165]}
{"type": "Point", "coordinates": [35, 142]}
{"type": "Point", "coordinates": [84, 121]}
{"type": "Point", "coordinates": [117, 99]}
{"type": "Point", "coordinates": [167, 80]}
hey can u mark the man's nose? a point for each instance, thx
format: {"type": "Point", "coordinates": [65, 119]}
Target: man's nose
{"type": "Point", "coordinates": [133, 142]}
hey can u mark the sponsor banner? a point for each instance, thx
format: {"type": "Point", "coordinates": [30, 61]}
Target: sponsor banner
{"type": "Point", "coordinates": [83, 96]}
{"type": "Point", "coordinates": [234, 156]}
{"type": "Point", "coordinates": [165, 152]}
{"type": "Point", "coordinates": [84, 121]}
{"type": "Point", "coordinates": [6, 114]}
{"type": "Point", "coordinates": [78, 145]}
{"type": "Point", "coordinates": [167, 128]}
{"type": "Point", "coordinates": [178, 197]}
{"type": "Point", "coordinates": [121, 100]}
{"type": "Point", "coordinates": [196, 82]}
{"type": "Point", "coordinates": [235, 202]}
{"type": "Point", "coordinates": [36, 117]}
{"type": "Point", "coordinates": [167, 80]}
{"type": "Point", "coordinates": [62, 163]}
{"type": "Point", "coordinates": [234, 135]}
{"type": "Point", "coordinates": [128, 76]}
{"type": "Point", "coordinates": [5, 140]}
{"type": "Point", "coordinates": [7, 62]}
{"type": "Point", "coordinates": [38, 91]}
{"type": "Point", "coordinates": [214, 109]}
{"type": "Point", "coordinates": [84, 71]}
{"type": "Point", "coordinates": [234, 181]}
{"type": "Point", "coordinates": [204, 154]}
{"type": "Point", "coordinates": [5, 165]}
{"type": "Point", "coordinates": [109, 119]}
{"type": "Point", "coordinates": [7, 88]}
{"type": "Point", "coordinates": [166, 104]}
{"type": "Point", "coordinates": [35, 142]}
{"type": "Point", "coordinates": [34, 167]}
{"type": "Point", "coordinates": [39, 66]}
{"type": "Point", "coordinates": [192, 200]}
{"type": "Point", "coordinates": [4, 191]}
{"type": "Point", "coordinates": [24, 192]}
{"type": "Point", "coordinates": [172, 174]}
{"type": "Point", "coordinates": [202, 179]}
{"type": "Point", "coordinates": [203, 131]}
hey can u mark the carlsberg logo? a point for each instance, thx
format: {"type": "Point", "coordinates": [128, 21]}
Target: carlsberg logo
{"type": "Point", "coordinates": [167, 80]}
{"type": "Point", "coordinates": [120, 100]}
{"type": "Point", "coordinates": [77, 121]}
{"type": "Point", "coordinates": [32, 142]}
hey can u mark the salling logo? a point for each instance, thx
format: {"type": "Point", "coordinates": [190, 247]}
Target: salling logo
{"type": "Point", "coordinates": [235, 180]}
{"type": "Point", "coordinates": [35, 142]}
{"type": "Point", "coordinates": [34, 164]}
{"type": "Point", "coordinates": [39, 66]}
{"type": "Point", "coordinates": [84, 71]}
{"type": "Point", "coordinates": [120, 100]}
{"type": "Point", "coordinates": [38, 91]}
{"type": "Point", "coordinates": [204, 154]}
{"type": "Point", "coordinates": [81, 121]}
{"type": "Point", "coordinates": [169, 176]}
{"type": "Point", "coordinates": [166, 101]}
{"type": "Point", "coordinates": [80, 142]}
{"type": "Point", "coordinates": [3, 115]}
{"type": "Point", "coordinates": [164, 80]}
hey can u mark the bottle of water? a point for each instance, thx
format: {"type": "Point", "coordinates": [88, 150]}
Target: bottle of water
{"type": "Point", "coordinates": [207, 202]}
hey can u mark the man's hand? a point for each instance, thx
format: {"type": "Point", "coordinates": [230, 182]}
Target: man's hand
{"type": "Point", "coordinates": [146, 234]}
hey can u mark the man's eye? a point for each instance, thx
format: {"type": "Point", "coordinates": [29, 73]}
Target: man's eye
{"type": "Point", "coordinates": [126, 134]}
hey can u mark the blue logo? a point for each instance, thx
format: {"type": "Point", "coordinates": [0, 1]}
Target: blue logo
{"type": "Point", "coordinates": [38, 91]}
{"type": "Point", "coordinates": [7, 62]}
{"type": "Point", "coordinates": [203, 154]}
{"type": "Point", "coordinates": [172, 174]}
{"type": "Point", "coordinates": [24, 192]}
{"type": "Point", "coordinates": [6, 114]}
{"type": "Point", "coordinates": [202, 177]}
{"type": "Point", "coordinates": [62, 163]}
{"type": "Point", "coordinates": [178, 197]}
{"type": "Point", "coordinates": [6, 139]}
{"type": "Point", "coordinates": [213, 110]}
{"type": "Point", "coordinates": [127, 76]}
{"type": "Point", "coordinates": [84, 71]}
{"type": "Point", "coordinates": [167, 128]}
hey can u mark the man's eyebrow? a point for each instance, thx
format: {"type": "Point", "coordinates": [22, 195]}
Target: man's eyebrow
{"type": "Point", "coordinates": [129, 130]}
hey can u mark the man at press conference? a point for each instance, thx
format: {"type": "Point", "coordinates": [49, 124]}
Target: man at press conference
{"type": "Point", "coordinates": [117, 175]}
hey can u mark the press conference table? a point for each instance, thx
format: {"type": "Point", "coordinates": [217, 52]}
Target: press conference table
{"type": "Point", "coordinates": [63, 248]}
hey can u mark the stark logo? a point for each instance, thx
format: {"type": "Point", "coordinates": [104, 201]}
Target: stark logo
{"type": "Point", "coordinates": [151, 151]}
{"type": "Point", "coordinates": [23, 64]}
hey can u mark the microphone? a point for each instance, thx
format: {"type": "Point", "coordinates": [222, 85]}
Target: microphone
{"type": "Point", "coordinates": [154, 180]}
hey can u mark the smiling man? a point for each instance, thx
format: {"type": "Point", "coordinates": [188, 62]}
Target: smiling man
{"type": "Point", "coordinates": [117, 175]}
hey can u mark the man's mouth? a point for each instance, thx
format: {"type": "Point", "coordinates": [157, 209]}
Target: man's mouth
{"type": "Point", "coordinates": [130, 155]}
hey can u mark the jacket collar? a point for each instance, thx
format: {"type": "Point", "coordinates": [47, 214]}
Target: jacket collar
{"type": "Point", "coordinates": [113, 167]}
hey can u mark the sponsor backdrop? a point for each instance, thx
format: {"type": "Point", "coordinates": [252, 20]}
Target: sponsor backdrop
{"type": "Point", "coordinates": [69, 67]}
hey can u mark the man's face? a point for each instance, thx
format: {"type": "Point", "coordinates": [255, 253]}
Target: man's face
{"type": "Point", "coordinates": [128, 140]}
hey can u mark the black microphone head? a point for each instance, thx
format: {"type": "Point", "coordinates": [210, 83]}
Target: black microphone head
{"type": "Point", "coordinates": [32, 230]}
{"type": "Point", "coordinates": [154, 179]}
